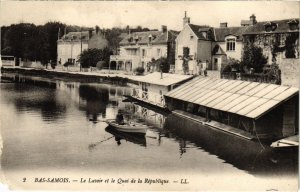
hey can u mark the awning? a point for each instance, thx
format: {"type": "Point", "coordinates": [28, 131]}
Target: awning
{"type": "Point", "coordinates": [250, 99]}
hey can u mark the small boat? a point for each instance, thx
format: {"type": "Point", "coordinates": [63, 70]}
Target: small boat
{"type": "Point", "coordinates": [292, 141]}
{"type": "Point", "coordinates": [128, 127]}
{"type": "Point", "coordinates": [136, 138]}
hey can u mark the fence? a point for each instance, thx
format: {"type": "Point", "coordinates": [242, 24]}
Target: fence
{"type": "Point", "coordinates": [256, 77]}
{"type": "Point", "coordinates": [149, 97]}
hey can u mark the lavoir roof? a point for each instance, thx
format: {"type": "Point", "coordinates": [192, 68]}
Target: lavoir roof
{"type": "Point", "coordinates": [250, 99]}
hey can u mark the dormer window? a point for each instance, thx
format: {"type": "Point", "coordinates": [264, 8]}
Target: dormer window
{"type": "Point", "coordinates": [150, 38]}
{"type": "Point", "coordinates": [130, 39]}
{"type": "Point", "coordinates": [204, 34]}
{"type": "Point", "coordinates": [136, 38]}
{"type": "Point", "coordinates": [270, 26]}
{"type": "Point", "coordinates": [293, 24]}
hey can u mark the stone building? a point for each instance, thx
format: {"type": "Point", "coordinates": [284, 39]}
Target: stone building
{"type": "Point", "coordinates": [204, 47]}
{"type": "Point", "coordinates": [71, 45]}
{"type": "Point", "coordinates": [138, 49]}
{"type": "Point", "coordinates": [279, 41]}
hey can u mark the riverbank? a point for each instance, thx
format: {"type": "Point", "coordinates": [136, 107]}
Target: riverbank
{"type": "Point", "coordinates": [88, 77]}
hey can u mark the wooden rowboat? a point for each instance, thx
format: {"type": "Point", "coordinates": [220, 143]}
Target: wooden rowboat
{"type": "Point", "coordinates": [136, 138]}
{"type": "Point", "coordinates": [292, 141]}
{"type": "Point", "coordinates": [128, 127]}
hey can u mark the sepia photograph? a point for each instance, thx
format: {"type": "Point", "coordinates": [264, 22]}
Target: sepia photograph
{"type": "Point", "coordinates": [149, 96]}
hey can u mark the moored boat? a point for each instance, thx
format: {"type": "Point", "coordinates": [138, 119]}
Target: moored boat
{"type": "Point", "coordinates": [130, 127]}
{"type": "Point", "coordinates": [292, 141]}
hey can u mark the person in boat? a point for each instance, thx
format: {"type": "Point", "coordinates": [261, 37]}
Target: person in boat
{"type": "Point", "coordinates": [120, 119]}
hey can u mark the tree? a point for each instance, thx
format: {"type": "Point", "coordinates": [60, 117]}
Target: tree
{"type": "Point", "coordinates": [291, 47]}
{"type": "Point", "coordinates": [253, 58]}
{"type": "Point", "coordinates": [160, 64]}
{"type": "Point", "coordinates": [90, 57]}
{"type": "Point", "coordinates": [232, 65]}
{"type": "Point", "coordinates": [113, 38]}
{"type": "Point", "coordinates": [50, 32]}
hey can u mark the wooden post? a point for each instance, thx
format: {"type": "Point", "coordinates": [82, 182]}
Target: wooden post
{"type": "Point", "coordinates": [207, 114]}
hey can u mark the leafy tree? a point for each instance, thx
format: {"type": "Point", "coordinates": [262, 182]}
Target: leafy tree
{"type": "Point", "coordinates": [50, 32]}
{"type": "Point", "coordinates": [232, 64]}
{"type": "Point", "coordinates": [290, 45]}
{"type": "Point", "coordinates": [160, 64]}
{"type": "Point", "coordinates": [139, 70]}
{"type": "Point", "coordinates": [253, 58]}
{"type": "Point", "coordinates": [113, 38]}
{"type": "Point", "coordinates": [90, 57]}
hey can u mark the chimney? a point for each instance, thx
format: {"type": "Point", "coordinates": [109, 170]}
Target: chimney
{"type": "Point", "coordinates": [97, 28]}
{"type": "Point", "coordinates": [253, 19]}
{"type": "Point", "coordinates": [90, 33]}
{"type": "Point", "coordinates": [186, 20]}
{"type": "Point", "coordinates": [164, 28]}
{"type": "Point", "coordinates": [223, 25]}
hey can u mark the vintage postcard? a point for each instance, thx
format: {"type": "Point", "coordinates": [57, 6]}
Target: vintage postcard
{"type": "Point", "coordinates": [149, 96]}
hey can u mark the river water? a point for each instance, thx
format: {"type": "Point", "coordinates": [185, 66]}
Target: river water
{"type": "Point", "coordinates": [54, 128]}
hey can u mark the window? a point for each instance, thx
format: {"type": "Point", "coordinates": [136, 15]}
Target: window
{"type": "Point", "coordinates": [158, 52]}
{"type": "Point", "coordinates": [143, 52]}
{"type": "Point", "coordinates": [186, 51]}
{"type": "Point", "coordinates": [71, 61]}
{"type": "Point", "coordinates": [282, 39]}
{"type": "Point", "coordinates": [230, 44]}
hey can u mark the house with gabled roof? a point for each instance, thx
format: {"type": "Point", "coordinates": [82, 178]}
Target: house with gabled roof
{"type": "Point", "coordinates": [71, 45]}
{"type": "Point", "coordinates": [204, 47]}
{"type": "Point", "coordinates": [280, 36]}
{"type": "Point", "coordinates": [138, 49]}
{"type": "Point", "coordinates": [279, 40]}
{"type": "Point", "coordinates": [228, 44]}
{"type": "Point", "coordinates": [193, 46]}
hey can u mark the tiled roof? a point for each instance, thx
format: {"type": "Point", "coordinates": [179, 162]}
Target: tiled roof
{"type": "Point", "coordinates": [245, 22]}
{"type": "Point", "coordinates": [75, 36]}
{"type": "Point", "coordinates": [217, 50]}
{"type": "Point", "coordinates": [249, 99]}
{"type": "Point", "coordinates": [221, 33]}
{"type": "Point", "coordinates": [158, 37]}
{"type": "Point", "coordinates": [123, 35]}
{"type": "Point", "coordinates": [282, 27]}
{"type": "Point", "coordinates": [199, 29]}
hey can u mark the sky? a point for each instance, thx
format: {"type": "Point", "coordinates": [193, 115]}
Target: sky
{"type": "Point", "coordinates": [147, 14]}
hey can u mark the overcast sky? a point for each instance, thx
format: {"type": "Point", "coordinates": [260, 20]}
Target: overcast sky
{"type": "Point", "coordinates": [147, 14]}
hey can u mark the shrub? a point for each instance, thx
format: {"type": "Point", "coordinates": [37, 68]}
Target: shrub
{"type": "Point", "coordinates": [139, 70]}
{"type": "Point", "coordinates": [232, 65]}
{"type": "Point", "coordinates": [253, 58]}
{"type": "Point", "coordinates": [66, 64]}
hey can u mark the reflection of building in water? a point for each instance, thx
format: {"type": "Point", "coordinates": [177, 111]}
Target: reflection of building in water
{"type": "Point", "coordinates": [149, 116]}
{"type": "Point", "coordinates": [71, 88]}
{"type": "Point", "coordinates": [241, 153]}
{"type": "Point", "coordinates": [115, 103]}
{"type": "Point", "coordinates": [93, 100]}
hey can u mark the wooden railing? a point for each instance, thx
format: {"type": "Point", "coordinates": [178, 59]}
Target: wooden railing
{"type": "Point", "coordinates": [149, 97]}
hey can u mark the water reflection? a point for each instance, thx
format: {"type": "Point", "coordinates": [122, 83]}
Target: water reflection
{"type": "Point", "coordinates": [93, 100]}
{"type": "Point", "coordinates": [243, 154]}
{"type": "Point", "coordinates": [28, 98]}
{"type": "Point", "coordinates": [171, 143]}
{"type": "Point", "coordinates": [136, 138]}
